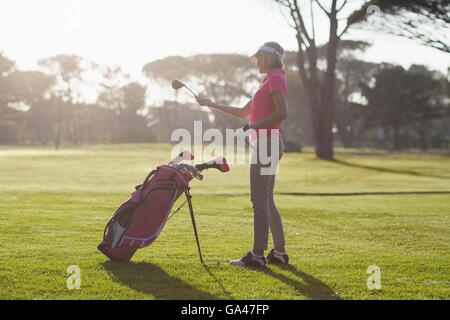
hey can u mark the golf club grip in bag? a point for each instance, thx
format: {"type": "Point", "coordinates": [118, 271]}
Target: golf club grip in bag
{"type": "Point", "coordinates": [138, 221]}
{"type": "Point", "coordinates": [219, 163]}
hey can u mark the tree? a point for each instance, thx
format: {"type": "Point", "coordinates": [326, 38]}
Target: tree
{"type": "Point", "coordinates": [426, 22]}
{"type": "Point", "coordinates": [133, 125]}
{"type": "Point", "coordinates": [349, 113]}
{"type": "Point", "coordinates": [348, 116]}
{"type": "Point", "coordinates": [126, 100]}
{"type": "Point", "coordinates": [110, 94]}
{"type": "Point", "coordinates": [19, 91]}
{"type": "Point", "coordinates": [68, 71]}
{"type": "Point", "coordinates": [386, 101]}
{"type": "Point", "coordinates": [226, 78]}
{"type": "Point", "coordinates": [163, 120]}
{"type": "Point", "coordinates": [399, 98]}
{"type": "Point", "coordinates": [297, 127]}
{"type": "Point", "coordinates": [427, 99]}
{"type": "Point", "coordinates": [8, 116]}
{"type": "Point", "coordinates": [320, 89]}
{"type": "Point", "coordinates": [6, 68]}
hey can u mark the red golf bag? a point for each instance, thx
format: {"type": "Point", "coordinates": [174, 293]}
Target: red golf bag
{"type": "Point", "coordinates": [138, 221]}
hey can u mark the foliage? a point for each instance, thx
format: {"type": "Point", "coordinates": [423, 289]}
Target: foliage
{"type": "Point", "coordinates": [45, 107]}
{"type": "Point", "coordinates": [402, 97]}
{"type": "Point", "coordinates": [425, 22]}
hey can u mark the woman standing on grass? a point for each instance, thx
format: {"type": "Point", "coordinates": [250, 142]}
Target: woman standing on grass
{"type": "Point", "coordinates": [267, 109]}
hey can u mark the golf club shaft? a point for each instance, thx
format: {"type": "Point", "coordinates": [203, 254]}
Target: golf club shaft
{"type": "Point", "coordinates": [195, 95]}
{"type": "Point", "coordinates": [226, 122]}
{"type": "Point", "coordinates": [212, 109]}
{"type": "Point", "coordinates": [216, 112]}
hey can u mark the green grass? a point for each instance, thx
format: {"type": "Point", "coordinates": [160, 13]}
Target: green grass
{"type": "Point", "coordinates": [340, 217]}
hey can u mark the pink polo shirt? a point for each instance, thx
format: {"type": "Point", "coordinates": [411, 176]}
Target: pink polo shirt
{"type": "Point", "coordinates": [262, 102]}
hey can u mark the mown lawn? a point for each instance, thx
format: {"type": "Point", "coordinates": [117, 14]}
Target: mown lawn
{"type": "Point", "coordinates": [340, 217]}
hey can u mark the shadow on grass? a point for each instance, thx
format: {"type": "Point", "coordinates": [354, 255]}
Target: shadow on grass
{"type": "Point", "coordinates": [311, 288]}
{"type": "Point", "coordinates": [341, 194]}
{"type": "Point", "coordinates": [350, 194]}
{"type": "Point", "coordinates": [388, 170]}
{"type": "Point", "coordinates": [150, 279]}
{"type": "Point", "coordinates": [218, 282]}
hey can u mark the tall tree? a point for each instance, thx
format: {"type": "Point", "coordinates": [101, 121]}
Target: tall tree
{"type": "Point", "coordinates": [400, 98]}
{"type": "Point", "coordinates": [7, 115]}
{"type": "Point", "coordinates": [320, 89]}
{"type": "Point", "coordinates": [68, 71]}
{"type": "Point", "coordinates": [386, 101]}
{"type": "Point", "coordinates": [349, 113]}
{"type": "Point", "coordinates": [427, 99]}
{"type": "Point", "coordinates": [133, 124]}
{"type": "Point", "coordinates": [110, 92]}
{"type": "Point", "coordinates": [7, 66]}
{"type": "Point", "coordinates": [19, 91]}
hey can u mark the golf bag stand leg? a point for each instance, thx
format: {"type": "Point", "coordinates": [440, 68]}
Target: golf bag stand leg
{"type": "Point", "coordinates": [188, 197]}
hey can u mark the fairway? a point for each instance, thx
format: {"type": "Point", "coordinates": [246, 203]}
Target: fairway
{"type": "Point", "coordinates": [340, 217]}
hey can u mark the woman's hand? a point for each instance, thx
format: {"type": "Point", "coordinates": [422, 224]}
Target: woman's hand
{"type": "Point", "coordinates": [205, 101]}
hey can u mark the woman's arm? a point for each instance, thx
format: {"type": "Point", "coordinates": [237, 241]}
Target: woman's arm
{"type": "Point", "coordinates": [234, 111]}
{"type": "Point", "coordinates": [280, 113]}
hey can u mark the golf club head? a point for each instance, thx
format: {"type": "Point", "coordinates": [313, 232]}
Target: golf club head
{"type": "Point", "coordinates": [222, 164]}
{"type": "Point", "coordinates": [177, 84]}
{"type": "Point", "coordinates": [194, 171]}
{"type": "Point", "coordinates": [185, 155]}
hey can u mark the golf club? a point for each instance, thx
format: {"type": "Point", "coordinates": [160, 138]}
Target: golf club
{"type": "Point", "coordinates": [219, 163]}
{"type": "Point", "coordinates": [177, 84]}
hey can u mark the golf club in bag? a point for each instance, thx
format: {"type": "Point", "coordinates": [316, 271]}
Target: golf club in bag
{"type": "Point", "coordinates": [138, 221]}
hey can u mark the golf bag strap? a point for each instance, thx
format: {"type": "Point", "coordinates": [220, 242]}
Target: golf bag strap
{"type": "Point", "coordinates": [147, 179]}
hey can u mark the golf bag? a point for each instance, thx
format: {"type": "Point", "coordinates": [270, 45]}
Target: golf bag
{"type": "Point", "coordinates": [138, 221]}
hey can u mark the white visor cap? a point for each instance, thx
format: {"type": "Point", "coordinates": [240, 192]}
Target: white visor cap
{"type": "Point", "coordinates": [266, 49]}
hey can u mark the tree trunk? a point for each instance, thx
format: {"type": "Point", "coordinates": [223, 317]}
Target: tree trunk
{"type": "Point", "coordinates": [58, 124]}
{"type": "Point", "coordinates": [396, 138]}
{"type": "Point", "coordinates": [328, 92]}
{"type": "Point", "coordinates": [322, 125]}
{"type": "Point", "coordinates": [422, 133]}
{"type": "Point", "coordinates": [320, 93]}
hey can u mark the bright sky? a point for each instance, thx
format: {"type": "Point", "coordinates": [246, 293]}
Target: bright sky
{"type": "Point", "coordinates": [131, 33]}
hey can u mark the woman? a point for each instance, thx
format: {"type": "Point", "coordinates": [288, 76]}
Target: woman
{"type": "Point", "coordinates": [267, 108]}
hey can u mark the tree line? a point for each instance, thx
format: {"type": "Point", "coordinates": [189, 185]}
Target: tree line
{"type": "Point", "coordinates": [333, 96]}
{"type": "Point", "coordinates": [376, 105]}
